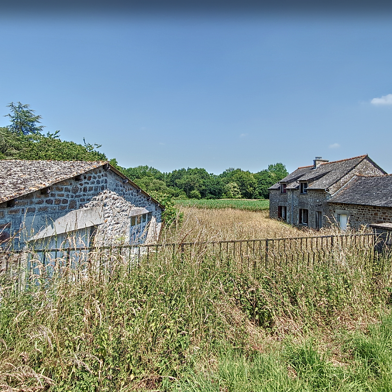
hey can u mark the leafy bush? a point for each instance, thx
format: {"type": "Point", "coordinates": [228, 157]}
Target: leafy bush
{"type": "Point", "coordinates": [232, 191]}
{"type": "Point", "coordinates": [194, 194]}
{"type": "Point", "coordinates": [50, 147]}
{"type": "Point", "coordinates": [171, 214]}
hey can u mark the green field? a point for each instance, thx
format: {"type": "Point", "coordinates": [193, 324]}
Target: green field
{"type": "Point", "coordinates": [239, 204]}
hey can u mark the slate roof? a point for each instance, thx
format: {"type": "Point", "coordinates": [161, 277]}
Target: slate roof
{"type": "Point", "coordinates": [368, 191]}
{"type": "Point", "coordinates": [323, 176]}
{"type": "Point", "coordinates": [19, 177]}
{"type": "Point", "coordinates": [291, 179]}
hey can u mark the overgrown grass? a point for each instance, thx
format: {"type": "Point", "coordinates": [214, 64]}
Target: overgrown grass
{"type": "Point", "coordinates": [240, 204]}
{"type": "Point", "coordinates": [206, 224]}
{"type": "Point", "coordinates": [302, 366]}
{"type": "Point", "coordinates": [192, 322]}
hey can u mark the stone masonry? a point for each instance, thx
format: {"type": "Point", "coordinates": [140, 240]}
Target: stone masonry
{"type": "Point", "coordinates": [360, 215]}
{"type": "Point", "coordinates": [102, 188]}
{"type": "Point", "coordinates": [323, 182]}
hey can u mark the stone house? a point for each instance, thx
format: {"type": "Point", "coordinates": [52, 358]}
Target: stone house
{"type": "Point", "coordinates": [70, 203]}
{"type": "Point", "coordinates": [312, 196]}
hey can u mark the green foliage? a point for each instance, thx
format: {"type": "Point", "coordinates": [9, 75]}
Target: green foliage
{"type": "Point", "coordinates": [245, 181]}
{"type": "Point", "coordinates": [249, 205]}
{"type": "Point", "coordinates": [302, 367]}
{"type": "Point", "coordinates": [23, 140]}
{"type": "Point", "coordinates": [50, 147]}
{"type": "Point", "coordinates": [232, 191]}
{"type": "Point", "coordinates": [9, 143]}
{"type": "Point", "coordinates": [269, 177]}
{"type": "Point", "coordinates": [189, 183]}
{"type": "Point", "coordinates": [141, 172]}
{"type": "Point", "coordinates": [23, 120]}
{"type": "Point", "coordinates": [195, 194]}
{"type": "Point", "coordinates": [171, 214]}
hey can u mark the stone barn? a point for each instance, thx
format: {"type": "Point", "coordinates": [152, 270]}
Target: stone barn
{"type": "Point", "coordinates": [77, 204]}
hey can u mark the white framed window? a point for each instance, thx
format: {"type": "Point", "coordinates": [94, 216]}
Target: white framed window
{"type": "Point", "coordinates": [283, 188]}
{"type": "Point", "coordinates": [304, 187]}
{"type": "Point", "coordinates": [342, 220]}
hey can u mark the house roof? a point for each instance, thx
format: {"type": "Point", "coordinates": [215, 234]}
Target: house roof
{"type": "Point", "coordinates": [369, 191]}
{"type": "Point", "coordinates": [21, 177]}
{"type": "Point", "coordinates": [323, 176]}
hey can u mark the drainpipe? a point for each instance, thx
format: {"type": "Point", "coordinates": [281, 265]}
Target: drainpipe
{"type": "Point", "coordinates": [292, 207]}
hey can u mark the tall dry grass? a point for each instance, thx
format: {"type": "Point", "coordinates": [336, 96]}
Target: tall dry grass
{"type": "Point", "coordinates": [192, 321]}
{"type": "Point", "coordinates": [233, 224]}
{"type": "Point", "coordinates": [227, 224]}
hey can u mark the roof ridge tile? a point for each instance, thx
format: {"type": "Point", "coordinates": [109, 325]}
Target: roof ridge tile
{"type": "Point", "coordinates": [344, 160]}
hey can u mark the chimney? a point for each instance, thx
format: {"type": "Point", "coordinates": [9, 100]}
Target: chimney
{"type": "Point", "coordinates": [317, 161]}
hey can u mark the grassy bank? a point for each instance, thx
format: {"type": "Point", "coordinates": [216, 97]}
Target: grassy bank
{"type": "Point", "coordinates": [200, 324]}
{"type": "Point", "coordinates": [240, 204]}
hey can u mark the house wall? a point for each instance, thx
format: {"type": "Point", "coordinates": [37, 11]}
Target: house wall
{"type": "Point", "coordinates": [96, 188]}
{"type": "Point", "coordinates": [359, 216]}
{"type": "Point", "coordinates": [313, 200]}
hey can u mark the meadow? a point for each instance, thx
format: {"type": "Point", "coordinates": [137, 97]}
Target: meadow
{"type": "Point", "coordinates": [223, 224]}
{"type": "Point", "coordinates": [241, 204]}
{"type": "Point", "coordinates": [194, 323]}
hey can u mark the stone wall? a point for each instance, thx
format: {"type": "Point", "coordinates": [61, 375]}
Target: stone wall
{"type": "Point", "coordinates": [33, 212]}
{"type": "Point", "coordinates": [359, 216]}
{"type": "Point", "coordinates": [313, 200]}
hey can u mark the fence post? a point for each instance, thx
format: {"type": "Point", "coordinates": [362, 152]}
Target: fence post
{"type": "Point", "coordinates": [266, 253]}
{"type": "Point", "coordinates": [182, 253]}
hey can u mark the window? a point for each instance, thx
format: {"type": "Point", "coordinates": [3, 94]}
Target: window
{"type": "Point", "coordinates": [319, 220]}
{"type": "Point", "coordinates": [283, 188]}
{"type": "Point", "coordinates": [139, 228]}
{"type": "Point", "coordinates": [282, 212]}
{"type": "Point", "coordinates": [342, 221]}
{"type": "Point", "coordinates": [303, 216]}
{"type": "Point", "coordinates": [304, 187]}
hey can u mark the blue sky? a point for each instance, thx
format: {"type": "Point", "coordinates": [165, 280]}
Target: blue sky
{"type": "Point", "coordinates": [209, 89]}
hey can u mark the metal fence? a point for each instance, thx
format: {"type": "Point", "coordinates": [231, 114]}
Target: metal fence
{"type": "Point", "coordinates": [258, 255]}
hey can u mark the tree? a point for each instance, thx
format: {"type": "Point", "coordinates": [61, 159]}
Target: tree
{"type": "Point", "coordinates": [269, 177]}
{"type": "Point", "coordinates": [140, 172]}
{"type": "Point", "coordinates": [264, 181]}
{"type": "Point", "coordinates": [50, 147]}
{"type": "Point", "coordinates": [8, 144]}
{"type": "Point", "coordinates": [214, 187]}
{"type": "Point", "coordinates": [247, 183]}
{"type": "Point", "coordinates": [195, 194]}
{"type": "Point", "coordinates": [278, 170]}
{"type": "Point", "coordinates": [244, 179]}
{"type": "Point", "coordinates": [23, 120]}
{"type": "Point", "coordinates": [232, 191]}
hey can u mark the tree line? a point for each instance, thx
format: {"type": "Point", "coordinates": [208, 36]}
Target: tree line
{"type": "Point", "coordinates": [23, 138]}
{"type": "Point", "coordinates": [197, 183]}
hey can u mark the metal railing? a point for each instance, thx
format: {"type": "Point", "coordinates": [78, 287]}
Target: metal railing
{"type": "Point", "coordinates": [255, 256]}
